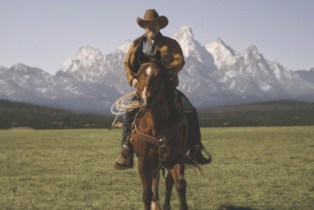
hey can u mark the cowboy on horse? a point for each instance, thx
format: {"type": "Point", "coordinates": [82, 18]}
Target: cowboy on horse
{"type": "Point", "coordinates": [153, 47]}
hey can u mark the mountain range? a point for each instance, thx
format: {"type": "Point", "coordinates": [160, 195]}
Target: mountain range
{"type": "Point", "coordinates": [214, 75]}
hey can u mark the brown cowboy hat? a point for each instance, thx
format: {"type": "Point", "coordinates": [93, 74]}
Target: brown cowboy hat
{"type": "Point", "coordinates": [150, 16]}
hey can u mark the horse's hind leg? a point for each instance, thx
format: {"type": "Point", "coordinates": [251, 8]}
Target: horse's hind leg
{"type": "Point", "coordinates": [177, 173]}
{"type": "Point", "coordinates": [169, 185]}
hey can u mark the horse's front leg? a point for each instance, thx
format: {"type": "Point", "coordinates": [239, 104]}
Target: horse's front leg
{"type": "Point", "coordinates": [146, 179]}
{"type": "Point", "coordinates": [177, 173]}
{"type": "Point", "coordinates": [155, 203]}
{"type": "Point", "coordinates": [169, 185]}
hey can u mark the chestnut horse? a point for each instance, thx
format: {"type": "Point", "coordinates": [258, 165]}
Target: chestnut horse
{"type": "Point", "coordinates": [159, 137]}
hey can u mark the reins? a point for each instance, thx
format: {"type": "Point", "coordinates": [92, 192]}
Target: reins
{"type": "Point", "coordinates": [154, 140]}
{"type": "Point", "coordinates": [162, 142]}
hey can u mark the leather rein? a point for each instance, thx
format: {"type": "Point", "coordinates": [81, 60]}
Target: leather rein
{"type": "Point", "coordinates": [154, 140]}
{"type": "Point", "coordinates": [160, 143]}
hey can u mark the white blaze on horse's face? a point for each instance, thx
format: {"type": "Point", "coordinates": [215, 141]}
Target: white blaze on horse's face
{"type": "Point", "coordinates": [149, 71]}
{"type": "Point", "coordinates": [145, 101]}
{"type": "Point", "coordinates": [149, 74]}
{"type": "Point", "coordinates": [144, 94]}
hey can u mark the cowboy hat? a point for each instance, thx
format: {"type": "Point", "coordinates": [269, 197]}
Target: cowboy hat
{"type": "Point", "coordinates": [150, 16]}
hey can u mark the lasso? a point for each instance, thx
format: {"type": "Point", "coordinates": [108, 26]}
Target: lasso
{"type": "Point", "coordinates": [124, 104]}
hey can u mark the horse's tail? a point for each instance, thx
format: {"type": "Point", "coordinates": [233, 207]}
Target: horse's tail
{"type": "Point", "coordinates": [192, 164]}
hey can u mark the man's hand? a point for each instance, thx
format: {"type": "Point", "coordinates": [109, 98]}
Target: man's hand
{"type": "Point", "coordinates": [134, 82]}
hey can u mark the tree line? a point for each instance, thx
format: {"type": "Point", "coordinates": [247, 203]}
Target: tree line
{"type": "Point", "coordinates": [275, 113]}
{"type": "Point", "coordinates": [17, 114]}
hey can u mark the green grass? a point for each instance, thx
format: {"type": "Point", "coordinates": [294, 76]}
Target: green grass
{"type": "Point", "coordinates": [252, 168]}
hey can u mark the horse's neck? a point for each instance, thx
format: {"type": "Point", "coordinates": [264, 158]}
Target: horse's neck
{"type": "Point", "coordinates": [162, 116]}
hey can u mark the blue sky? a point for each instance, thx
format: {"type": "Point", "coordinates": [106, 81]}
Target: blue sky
{"type": "Point", "coordinates": [44, 33]}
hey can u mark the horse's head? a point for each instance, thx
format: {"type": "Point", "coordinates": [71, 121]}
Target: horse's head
{"type": "Point", "coordinates": [149, 86]}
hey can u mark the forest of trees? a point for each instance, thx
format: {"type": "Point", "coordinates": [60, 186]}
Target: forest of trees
{"type": "Point", "coordinates": [16, 114]}
{"type": "Point", "coordinates": [272, 113]}
{"type": "Point", "coordinates": [275, 113]}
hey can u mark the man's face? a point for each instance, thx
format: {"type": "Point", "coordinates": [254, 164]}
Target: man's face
{"type": "Point", "coordinates": [152, 29]}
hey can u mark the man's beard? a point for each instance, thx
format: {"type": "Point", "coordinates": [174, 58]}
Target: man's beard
{"type": "Point", "coordinates": [151, 35]}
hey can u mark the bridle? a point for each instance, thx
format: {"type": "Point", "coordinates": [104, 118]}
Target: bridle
{"type": "Point", "coordinates": [141, 93]}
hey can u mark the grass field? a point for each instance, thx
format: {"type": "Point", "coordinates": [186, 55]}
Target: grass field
{"type": "Point", "coordinates": [252, 168]}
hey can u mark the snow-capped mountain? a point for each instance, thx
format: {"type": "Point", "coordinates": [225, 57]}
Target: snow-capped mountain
{"type": "Point", "coordinates": [96, 70]}
{"type": "Point", "coordinates": [214, 74]}
{"type": "Point", "coordinates": [250, 76]}
{"type": "Point", "coordinates": [307, 75]}
{"type": "Point", "coordinates": [29, 84]}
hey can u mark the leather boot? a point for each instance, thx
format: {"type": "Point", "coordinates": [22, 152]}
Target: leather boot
{"type": "Point", "coordinates": [197, 156]}
{"type": "Point", "coordinates": [197, 150]}
{"type": "Point", "coordinates": [124, 160]}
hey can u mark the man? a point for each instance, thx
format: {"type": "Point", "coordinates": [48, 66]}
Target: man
{"type": "Point", "coordinates": [167, 53]}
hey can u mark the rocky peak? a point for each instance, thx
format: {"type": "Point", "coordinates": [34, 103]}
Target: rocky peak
{"type": "Point", "coordinates": [89, 53]}
{"type": "Point", "coordinates": [252, 52]}
{"type": "Point", "coordinates": [27, 70]}
{"type": "Point", "coordinates": [223, 54]}
{"type": "Point", "coordinates": [185, 32]}
{"type": "Point", "coordinates": [218, 46]}
{"type": "Point", "coordinates": [191, 48]}
{"type": "Point", "coordinates": [124, 47]}
{"type": "Point", "coordinates": [186, 40]}
{"type": "Point", "coordinates": [85, 58]}
{"type": "Point", "coordinates": [2, 68]}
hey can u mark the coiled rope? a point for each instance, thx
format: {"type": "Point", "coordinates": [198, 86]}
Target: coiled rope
{"type": "Point", "coordinates": [124, 104]}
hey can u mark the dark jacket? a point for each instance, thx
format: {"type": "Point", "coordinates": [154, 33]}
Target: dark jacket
{"type": "Point", "coordinates": [170, 58]}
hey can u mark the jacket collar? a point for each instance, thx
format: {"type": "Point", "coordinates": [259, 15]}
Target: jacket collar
{"type": "Point", "coordinates": [157, 39]}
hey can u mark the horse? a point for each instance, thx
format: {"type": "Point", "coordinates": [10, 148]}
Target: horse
{"type": "Point", "coordinates": [159, 137]}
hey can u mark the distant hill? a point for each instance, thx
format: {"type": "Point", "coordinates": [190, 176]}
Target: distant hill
{"type": "Point", "coordinates": [273, 113]}
{"type": "Point", "coordinates": [17, 114]}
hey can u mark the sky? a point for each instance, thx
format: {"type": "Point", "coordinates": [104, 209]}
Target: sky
{"type": "Point", "coordinates": [45, 33]}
